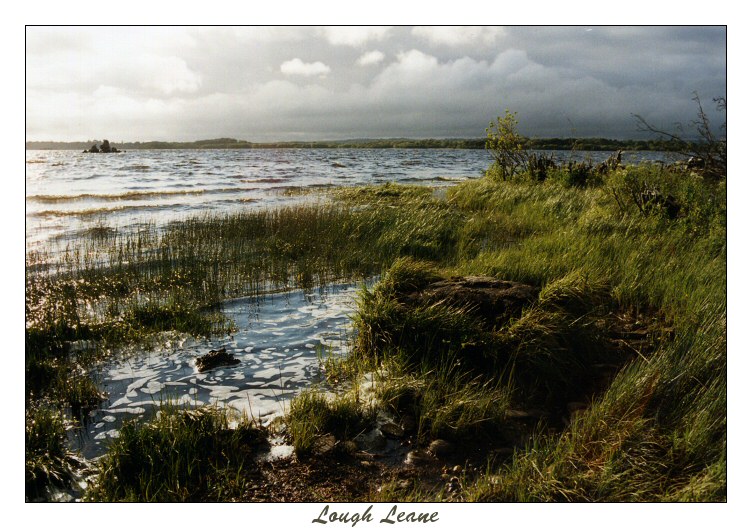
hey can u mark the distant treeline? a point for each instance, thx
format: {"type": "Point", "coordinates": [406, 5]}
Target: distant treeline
{"type": "Point", "coordinates": [229, 143]}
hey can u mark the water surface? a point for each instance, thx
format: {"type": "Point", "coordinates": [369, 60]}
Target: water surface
{"type": "Point", "coordinates": [68, 192]}
{"type": "Point", "coordinates": [280, 344]}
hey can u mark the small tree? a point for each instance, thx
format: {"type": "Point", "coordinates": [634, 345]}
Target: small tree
{"type": "Point", "coordinates": [506, 144]}
{"type": "Point", "coordinates": [706, 150]}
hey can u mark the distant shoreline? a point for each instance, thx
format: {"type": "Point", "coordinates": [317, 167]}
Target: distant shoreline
{"type": "Point", "coordinates": [593, 144]}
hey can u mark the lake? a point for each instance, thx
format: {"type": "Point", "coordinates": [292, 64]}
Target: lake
{"type": "Point", "coordinates": [68, 191]}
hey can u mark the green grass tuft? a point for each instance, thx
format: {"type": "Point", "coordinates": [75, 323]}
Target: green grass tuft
{"type": "Point", "coordinates": [313, 415]}
{"type": "Point", "coordinates": [180, 455]}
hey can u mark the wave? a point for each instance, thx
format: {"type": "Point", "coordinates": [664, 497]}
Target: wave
{"type": "Point", "coordinates": [131, 195]}
{"type": "Point", "coordinates": [102, 210]}
{"type": "Point", "coordinates": [140, 168]}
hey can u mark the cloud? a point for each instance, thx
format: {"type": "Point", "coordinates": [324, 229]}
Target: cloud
{"type": "Point", "coordinates": [306, 69]}
{"type": "Point", "coordinates": [370, 57]}
{"type": "Point", "coordinates": [190, 83]}
{"type": "Point", "coordinates": [459, 35]}
{"type": "Point", "coordinates": [147, 73]}
{"type": "Point", "coordinates": [354, 36]}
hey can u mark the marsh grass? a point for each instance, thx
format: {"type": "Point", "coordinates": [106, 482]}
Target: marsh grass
{"type": "Point", "coordinates": [125, 287]}
{"type": "Point", "coordinates": [180, 455]}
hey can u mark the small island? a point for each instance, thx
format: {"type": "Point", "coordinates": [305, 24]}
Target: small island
{"type": "Point", "coordinates": [104, 148]}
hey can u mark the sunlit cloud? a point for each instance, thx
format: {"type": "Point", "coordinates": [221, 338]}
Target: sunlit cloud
{"type": "Point", "coordinates": [306, 69]}
{"type": "Point", "coordinates": [370, 57]}
{"type": "Point", "coordinates": [459, 35]}
{"type": "Point", "coordinates": [354, 36]}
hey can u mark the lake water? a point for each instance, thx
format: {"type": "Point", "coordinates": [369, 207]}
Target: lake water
{"type": "Point", "coordinates": [68, 191]}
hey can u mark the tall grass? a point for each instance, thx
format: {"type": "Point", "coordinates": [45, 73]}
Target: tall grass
{"type": "Point", "coordinates": [658, 430]}
{"type": "Point", "coordinates": [446, 402]}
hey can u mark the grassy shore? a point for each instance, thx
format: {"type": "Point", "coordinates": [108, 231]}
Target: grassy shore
{"type": "Point", "coordinates": [610, 386]}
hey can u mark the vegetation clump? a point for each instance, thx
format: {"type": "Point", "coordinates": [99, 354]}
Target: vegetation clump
{"type": "Point", "coordinates": [316, 422]}
{"type": "Point", "coordinates": [185, 455]}
{"type": "Point", "coordinates": [49, 463]}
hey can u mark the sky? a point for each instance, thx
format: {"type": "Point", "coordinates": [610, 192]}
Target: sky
{"type": "Point", "coordinates": [318, 83]}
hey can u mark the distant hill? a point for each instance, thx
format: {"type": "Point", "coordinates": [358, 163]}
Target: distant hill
{"type": "Point", "coordinates": [230, 143]}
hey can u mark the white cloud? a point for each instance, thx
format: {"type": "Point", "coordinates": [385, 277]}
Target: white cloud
{"type": "Point", "coordinates": [138, 73]}
{"type": "Point", "coordinates": [354, 36]}
{"type": "Point", "coordinates": [169, 75]}
{"type": "Point", "coordinates": [370, 57]}
{"type": "Point", "coordinates": [459, 35]}
{"type": "Point", "coordinates": [306, 69]}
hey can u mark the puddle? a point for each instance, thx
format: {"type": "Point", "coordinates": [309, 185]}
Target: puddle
{"type": "Point", "coordinates": [279, 345]}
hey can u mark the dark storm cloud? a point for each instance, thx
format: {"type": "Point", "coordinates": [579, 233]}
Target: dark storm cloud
{"type": "Point", "coordinates": [319, 83]}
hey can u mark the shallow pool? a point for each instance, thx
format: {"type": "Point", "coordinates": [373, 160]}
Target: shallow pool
{"type": "Point", "coordinates": [280, 342]}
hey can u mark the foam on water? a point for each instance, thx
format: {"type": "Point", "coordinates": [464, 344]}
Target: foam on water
{"type": "Point", "coordinates": [279, 345]}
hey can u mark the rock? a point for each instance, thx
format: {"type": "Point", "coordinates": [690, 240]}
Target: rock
{"type": "Point", "coordinates": [494, 301]}
{"type": "Point", "coordinates": [392, 430]}
{"type": "Point", "coordinates": [454, 486]}
{"type": "Point", "coordinates": [348, 446]}
{"type": "Point", "coordinates": [371, 441]}
{"type": "Point", "coordinates": [440, 448]}
{"type": "Point", "coordinates": [324, 444]}
{"type": "Point", "coordinates": [408, 423]}
{"type": "Point", "coordinates": [419, 457]}
{"type": "Point", "coordinates": [215, 358]}
{"type": "Point", "coordinates": [517, 413]}
{"type": "Point", "coordinates": [105, 148]}
{"type": "Point", "coordinates": [277, 426]}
